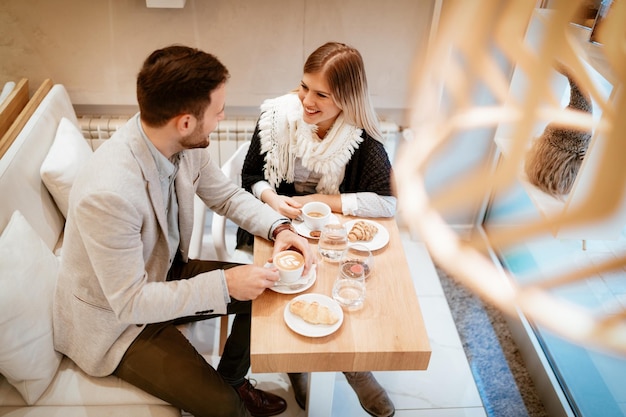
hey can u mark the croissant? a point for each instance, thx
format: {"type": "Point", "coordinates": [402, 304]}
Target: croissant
{"type": "Point", "coordinates": [313, 312]}
{"type": "Point", "coordinates": [363, 231]}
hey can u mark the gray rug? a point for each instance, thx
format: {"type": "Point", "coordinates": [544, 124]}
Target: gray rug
{"type": "Point", "coordinates": [504, 384]}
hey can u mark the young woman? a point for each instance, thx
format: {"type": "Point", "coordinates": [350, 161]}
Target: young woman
{"type": "Point", "coordinates": [323, 143]}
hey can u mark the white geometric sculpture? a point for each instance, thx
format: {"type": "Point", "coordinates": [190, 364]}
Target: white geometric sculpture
{"type": "Point", "coordinates": [442, 107]}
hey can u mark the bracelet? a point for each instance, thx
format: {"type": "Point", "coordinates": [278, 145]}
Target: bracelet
{"type": "Point", "coordinates": [280, 228]}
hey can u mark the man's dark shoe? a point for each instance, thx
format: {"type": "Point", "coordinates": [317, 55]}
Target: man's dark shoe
{"type": "Point", "coordinates": [260, 403]}
{"type": "Point", "coordinates": [299, 383]}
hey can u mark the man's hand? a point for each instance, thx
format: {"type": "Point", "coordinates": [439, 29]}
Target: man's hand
{"type": "Point", "coordinates": [288, 239]}
{"type": "Point", "coordinates": [247, 282]}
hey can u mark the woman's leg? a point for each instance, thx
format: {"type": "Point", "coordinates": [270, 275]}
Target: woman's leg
{"type": "Point", "coordinates": [372, 395]}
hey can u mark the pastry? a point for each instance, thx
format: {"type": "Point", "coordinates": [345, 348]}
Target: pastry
{"type": "Point", "coordinates": [312, 312]}
{"type": "Point", "coordinates": [362, 231]}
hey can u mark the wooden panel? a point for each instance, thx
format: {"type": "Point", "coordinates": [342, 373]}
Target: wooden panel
{"type": "Point", "coordinates": [27, 112]}
{"type": "Point", "coordinates": [11, 107]}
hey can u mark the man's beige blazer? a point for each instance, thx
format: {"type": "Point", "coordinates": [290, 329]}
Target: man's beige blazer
{"type": "Point", "coordinates": [112, 279]}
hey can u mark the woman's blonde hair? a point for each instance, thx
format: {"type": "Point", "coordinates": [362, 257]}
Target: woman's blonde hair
{"type": "Point", "coordinates": [342, 67]}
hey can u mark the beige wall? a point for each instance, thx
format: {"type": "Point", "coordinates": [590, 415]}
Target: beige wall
{"type": "Point", "coordinates": [95, 47]}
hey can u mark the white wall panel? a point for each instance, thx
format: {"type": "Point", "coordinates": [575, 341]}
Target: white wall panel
{"type": "Point", "coordinates": [95, 48]}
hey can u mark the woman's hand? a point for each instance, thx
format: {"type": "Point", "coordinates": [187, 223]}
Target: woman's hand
{"type": "Point", "coordinates": [285, 205]}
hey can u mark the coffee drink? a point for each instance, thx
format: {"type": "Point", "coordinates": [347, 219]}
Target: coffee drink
{"type": "Point", "coordinates": [315, 214]}
{"type": "Point", "coordinates": [289, 260]}
{"type": "Point", "coordinates": [290, 265]}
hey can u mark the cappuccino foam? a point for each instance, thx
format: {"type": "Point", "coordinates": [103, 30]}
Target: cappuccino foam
{"type": "Point", "coordinates": [289, 260]}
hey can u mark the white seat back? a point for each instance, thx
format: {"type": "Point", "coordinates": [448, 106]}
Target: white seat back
{"type": "Point", "coordinates": [21, 186]}
{"type": "Point", "coordinates": [232, 169]}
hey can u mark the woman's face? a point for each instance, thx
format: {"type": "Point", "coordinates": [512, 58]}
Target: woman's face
{"type": "Point", "coordinates": [319, 107]}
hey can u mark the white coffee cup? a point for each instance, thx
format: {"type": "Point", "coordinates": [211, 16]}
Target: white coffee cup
{"type": "Point", "coordinates": [316, 215]}
{"type": "Point", "coordinates": [290, 265]}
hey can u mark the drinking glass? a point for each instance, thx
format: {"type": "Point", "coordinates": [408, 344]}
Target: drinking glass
{"type": "Point", "coordinates": [349, 287]}
{"type": "Point", "coordinates": [357, 253]}
{"type": "Point", "coordinates": [333, 241]}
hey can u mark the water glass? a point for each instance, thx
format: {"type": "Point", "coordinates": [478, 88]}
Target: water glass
{"type": "Point", "coordinates": [349, 287]}
{"type": "Point", "coordinates": [333, 241]}
{"type": "Point", "coordinates": [357, 253]}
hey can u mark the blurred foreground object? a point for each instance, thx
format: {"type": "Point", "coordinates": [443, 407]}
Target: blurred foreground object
{"type": "Point", "coordinates": [464, 54]}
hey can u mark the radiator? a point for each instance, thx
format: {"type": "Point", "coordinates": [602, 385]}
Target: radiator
{"type": "Point", "coordinates": [226, 138]}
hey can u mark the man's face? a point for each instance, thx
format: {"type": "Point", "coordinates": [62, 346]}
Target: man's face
{"type": "Point", "coordinates": [199, 138]}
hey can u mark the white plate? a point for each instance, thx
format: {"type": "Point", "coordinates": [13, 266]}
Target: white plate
{"type": "Point", "coordinates": [303, 229]}
{"type": "Point", "coordinates": [307, 280]}
{"type": "Point", "coordinates": [298, 325]}
{"type": "Point", "coordinates": [380, 239]}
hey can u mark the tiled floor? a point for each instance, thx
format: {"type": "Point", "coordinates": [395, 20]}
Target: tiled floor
{"type": "Point", "coordinates": [446, 389]}
{"type": "Point", "coordinates": [593, 379]}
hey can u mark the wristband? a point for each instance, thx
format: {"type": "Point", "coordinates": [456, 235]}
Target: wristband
{"type": "Point", "coordinates": [280, 228]}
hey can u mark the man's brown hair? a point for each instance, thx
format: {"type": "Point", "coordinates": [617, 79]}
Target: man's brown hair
{"type": "Point", "coordinates": [176, 80]}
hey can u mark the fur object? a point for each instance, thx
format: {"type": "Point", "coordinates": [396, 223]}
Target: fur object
{"type": "Point", "coordinates": [554, 159]}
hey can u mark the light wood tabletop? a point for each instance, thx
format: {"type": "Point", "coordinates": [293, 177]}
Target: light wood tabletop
{"type": "Point", "coordinates": [388, 333]}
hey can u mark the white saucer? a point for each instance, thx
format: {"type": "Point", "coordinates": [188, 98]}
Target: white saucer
{"type": "Point", "coordinates": [298, 325]}
{"type": "Point", "coordinates": [379, 241]}
{"type": "Point", "coordinates": [307, 280]}
{"type": "Point", "coordinates": [303, 229]}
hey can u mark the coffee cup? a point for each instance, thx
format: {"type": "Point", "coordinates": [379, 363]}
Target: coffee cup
{"type": "Point", "coordinates": [290, 265]}
{"type": "Point", "coordinates": [316, 215]}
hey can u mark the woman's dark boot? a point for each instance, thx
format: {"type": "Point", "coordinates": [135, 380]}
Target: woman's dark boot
{"type": "Point", "coordinates": [372, 396]}
{"type": "Point", "coordinates": [299, 383]}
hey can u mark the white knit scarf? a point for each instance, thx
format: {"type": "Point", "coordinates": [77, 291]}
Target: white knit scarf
{"type": "Point", "coordinates": [285, 137]}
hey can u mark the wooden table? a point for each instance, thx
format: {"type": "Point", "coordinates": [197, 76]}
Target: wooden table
{"type": "Point", "coordinates": [388, 333]}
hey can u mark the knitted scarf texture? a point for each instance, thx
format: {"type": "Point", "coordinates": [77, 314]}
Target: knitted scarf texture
{"type": "Point", "coordinates": [285, 136]}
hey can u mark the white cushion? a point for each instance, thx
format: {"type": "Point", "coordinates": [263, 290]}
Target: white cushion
{"type": "Point", "coordinates": [6, 90]}
{"type": "Point", "coordinates": [28, 273]}
{"type": "Point", "coordinates": [72, 387]}
{"type": "Point", "coordinates": [93, 411]}
{"type": "Point", "coordinates": [68, 153]}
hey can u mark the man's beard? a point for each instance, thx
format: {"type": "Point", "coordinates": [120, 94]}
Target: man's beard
{"type": "Point", "coordinates": [196, 139]}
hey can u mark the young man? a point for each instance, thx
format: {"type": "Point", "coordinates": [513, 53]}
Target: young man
{"type": "Point", "coordinates": [126, 281]}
